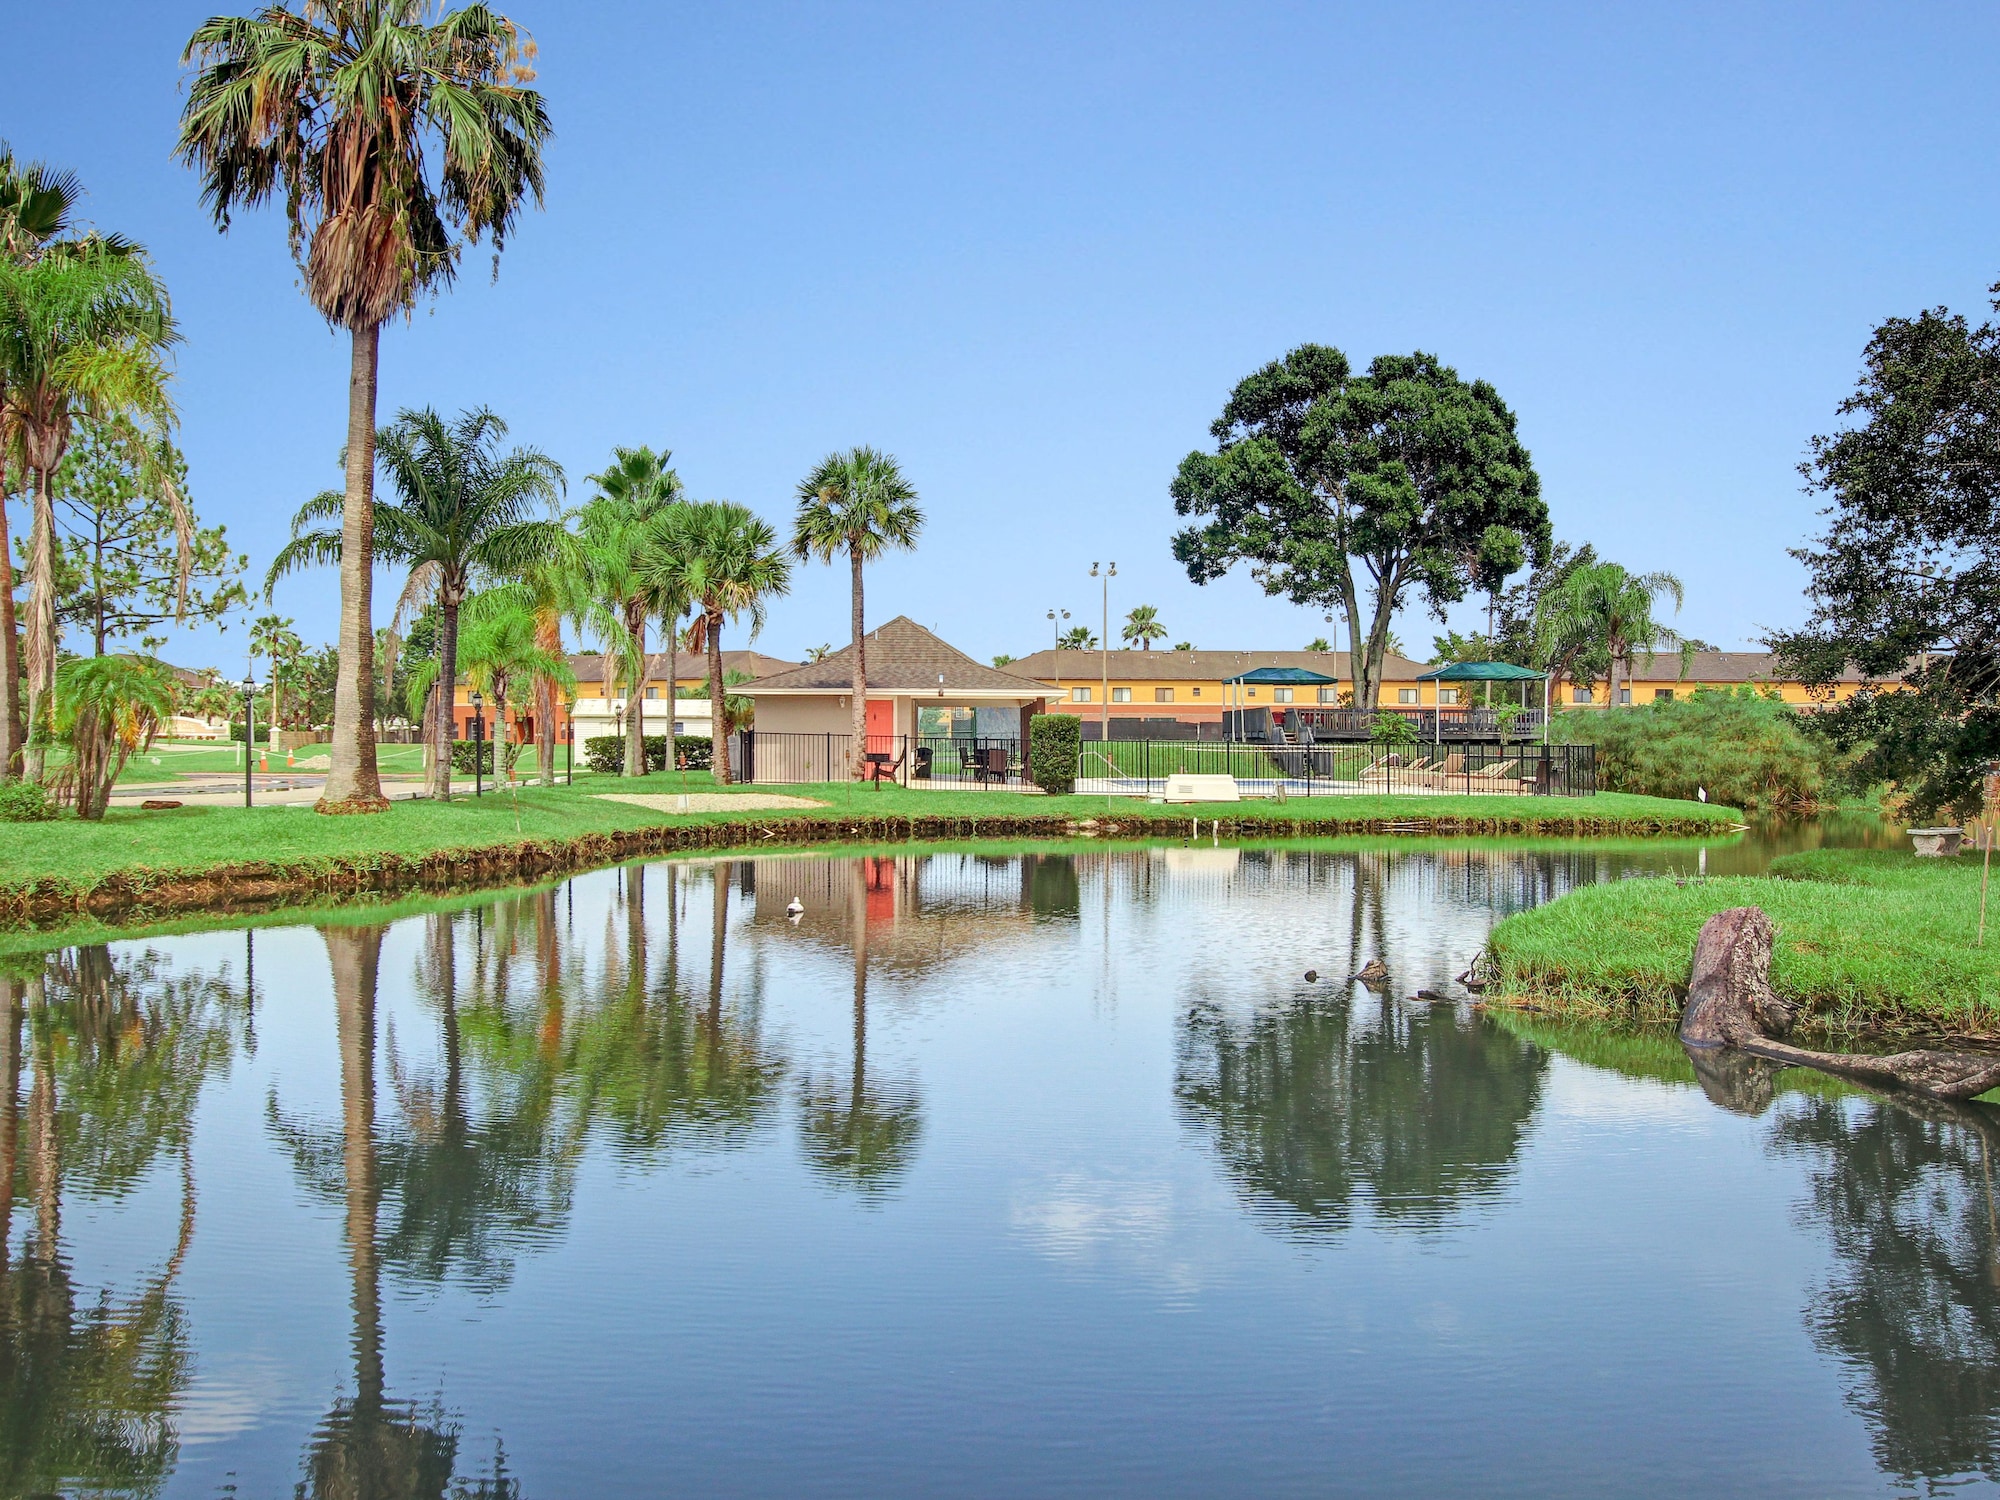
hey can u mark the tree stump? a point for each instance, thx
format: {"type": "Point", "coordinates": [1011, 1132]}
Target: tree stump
{"type": "Point", "coordinates": [1730, 1004]}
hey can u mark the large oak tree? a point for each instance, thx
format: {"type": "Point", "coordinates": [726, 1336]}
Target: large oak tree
{"type": "Point", "coordinates": [1406, 470]}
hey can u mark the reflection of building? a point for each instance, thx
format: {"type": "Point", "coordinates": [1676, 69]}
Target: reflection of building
{"type": "Point", "coordinates": [922, 910]}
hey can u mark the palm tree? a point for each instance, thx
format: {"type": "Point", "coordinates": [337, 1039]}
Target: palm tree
{"type": "Point", "coordinates": [1077, 638]}
{"type": "Point", "coordinates": [84, 332]}
{"type": "Point", "coordinates": [35, 207]}
{"type": "Point", "coordinates": [857, 503]}
{"type": "Point", "coordinates": [819, 653]}
{"type": "Point", "coordinates": [1604, 606]}
{"type": "Point", "coordinates": [1143, 625]}
{"type": "Point", "coordinates": [500, 653]}
{"type": "Point", "coordinates": [463, 512]}
{"type": "Point", "coordinates": [109, 706]}
{"type": "Point", "coordinates": [728, 562]}
{"type": "Point", "coordinates": [342, 106]}
{"type": "Point", "coordinates": [634, 494]}
{"type": "Point", "coordinates": [273, 638]}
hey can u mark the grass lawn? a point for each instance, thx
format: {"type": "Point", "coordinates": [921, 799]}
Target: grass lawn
{"type": "Point", "coordinates": [187, 841]}
{"type": "Point", "coordinates": [168, 759]}
{"type": "Point", "coordinates": [1867, 939]}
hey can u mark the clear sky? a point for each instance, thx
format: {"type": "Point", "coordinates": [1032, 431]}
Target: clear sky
{"type": "Point", "coordinates": [1029, 248]}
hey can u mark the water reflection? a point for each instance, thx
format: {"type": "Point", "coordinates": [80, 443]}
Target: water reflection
{"type": "Point", "coordinates": [1903, 1191]}
{"type": "Point", "coordinates": [89, 1379]}
{"type": "Point", "coordinates": [1320, 1105]}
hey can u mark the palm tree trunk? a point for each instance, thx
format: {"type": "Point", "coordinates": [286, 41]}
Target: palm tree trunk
{"type": "Point", "coordinates": [10, 653]}
{"type": "Point", "coordinates": [635, 713]}
{"type": "Point", "coordinates": [41, 624]}
{"type": "Point", "coordinates": [353, 784]}
{"type": "Point", "coordinates": [673, 689]}
{"type": "Point", "coordinates": [444, 726]}
{"type": "Point", "coordinates": [857, 766]}
{"type": "Point", "coordinates": [48, 1143]}
{"type": "Point", "coordinates": [548, 636]}
{"type": "Point", "coordinates": [718, 932]}
{"type": "Point", "coordinates": [718, 721]}
{"type": "Point", "coordinates": [355, 959]}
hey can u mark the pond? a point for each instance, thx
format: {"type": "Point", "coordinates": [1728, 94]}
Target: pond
{"type": "Point", "coordinates": [1000, 1174]}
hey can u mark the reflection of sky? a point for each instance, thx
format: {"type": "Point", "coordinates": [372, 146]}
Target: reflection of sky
{"type": "Point", "coordinates": [1064, 1292]}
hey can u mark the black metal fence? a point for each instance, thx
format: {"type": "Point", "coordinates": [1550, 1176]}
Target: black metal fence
{"type": "Point", "coordinates": [1143, 768]}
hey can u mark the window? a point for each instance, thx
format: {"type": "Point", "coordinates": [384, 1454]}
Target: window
{"type": "Point", "coordinates": [1281, 695]}
{"type": "Point", "coordinates": [1163, 695]}
{"type": "Point", "coordinates": [652, 695]}
{"type": "Point", "coordinates": [1447, 695]}
{"type": "Point", "coordinates": [679, 727]}
{"type": "Point", "coordinates": [1196, 692]}
{"type": "Point", "coordinates": [1329, 695]}
{"type": "Point", "coordinates": [1121, 695]}
{"type": "Point", "coordinates": [1663, 695]}
{"type": "Point", "coordinates": [1079, 695]}
{"type": "Point", "coordinates": [1406, 695]}
{"type": "Point", "coordinates": [1249, 692]}
{"type": "Point", "coordinates": [1624, 695]}
{"type": "Point", "coordinates": [1579, 695]}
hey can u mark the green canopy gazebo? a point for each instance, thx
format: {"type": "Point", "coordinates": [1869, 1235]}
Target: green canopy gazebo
{"type": "Point", "coordinates": [1488, 672]}
{"type": "Point", "coordinates": [1277, 676]}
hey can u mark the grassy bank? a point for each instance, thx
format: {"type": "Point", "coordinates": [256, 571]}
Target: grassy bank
{"type": "Point", "coordinates": [192, 857]}
{"type": "Point", "coordinates": [1867, 940]}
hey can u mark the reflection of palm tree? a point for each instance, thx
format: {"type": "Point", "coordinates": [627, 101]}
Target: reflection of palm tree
{"type": "Point", "coordinates": [867, 1140]}
{"type": "Point", "coordinates": [1308, 1111]}
{"type": "Point", "coordinates": [87, 1384]}
{"type": "Point", "coordinates": [364, 1447]}
{"type": "Point", "coordinates": [1904, 1189]}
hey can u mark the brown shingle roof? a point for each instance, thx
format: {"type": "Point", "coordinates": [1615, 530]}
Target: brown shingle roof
{"type": "Point", "coordinates": [1194, 666]}
{"type": "Point", "coordinates": [1719, 666]}
{"type": "Point", "coordinates": [589, 667]}
{"type": "Point", "coordinates": [902, 656]}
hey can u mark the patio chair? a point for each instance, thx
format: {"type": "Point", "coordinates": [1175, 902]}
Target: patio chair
{"type": "Point", "coordinates": [1493, 778]}
{"type": "Point", "coordinates": [993, 763]}
{"type": "Point", "coordinates": [920, 768]}
{"type": "Point", "coordinates": [881, 763]}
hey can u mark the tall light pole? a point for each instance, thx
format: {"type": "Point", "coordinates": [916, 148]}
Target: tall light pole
{"type": "Point", "coordinates": [248, 687]}
{"type": "Point", "coordinates": [1104, 648]}
{"type": "Point", "coordinates": [1055, 626]}
{"type": "Point", "coordinates": [478, 742]}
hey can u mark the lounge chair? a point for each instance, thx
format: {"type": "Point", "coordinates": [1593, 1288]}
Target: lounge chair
{"type": "Point", "coordinates": [1494, 778]}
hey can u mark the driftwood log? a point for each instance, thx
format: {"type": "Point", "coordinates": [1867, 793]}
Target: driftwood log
{"type": "Point", "coordinates": [1730, 1004]}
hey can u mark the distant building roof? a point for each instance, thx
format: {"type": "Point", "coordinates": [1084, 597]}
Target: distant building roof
{"type": "Point", "coordinates": [902, 657]}
{"type": "Point", "coordinates": [1722, 666]}
{"type": "Point", "coordinates": [589, 666]}
{"type": "Point", "coordinates": [1195, 666]}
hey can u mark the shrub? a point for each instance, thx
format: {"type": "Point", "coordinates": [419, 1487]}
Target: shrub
{"type": "Point", "coordinates": [1392, 729]}
{"type": "Point", "coordinates": [1055, 745]}
{"type": "Point", "coordinates": [605, 753]}
{"type": "Point", "coordinates": [1748, 749]}
{"type": "Point", "coordinates": [461, 756]}
{"type": "Point", "coordinates": [24, 802]}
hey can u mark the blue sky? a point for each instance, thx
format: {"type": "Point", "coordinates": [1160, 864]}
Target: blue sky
{"type": "Point", "coordinates": [1029, 248]}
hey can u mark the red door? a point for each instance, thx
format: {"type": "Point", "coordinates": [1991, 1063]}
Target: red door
{"type": "Point", "coordinates": [881, 724]}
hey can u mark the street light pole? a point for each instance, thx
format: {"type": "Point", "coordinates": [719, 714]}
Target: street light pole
{"type": "Point", "coordinates": [249, 687]}
{"type": "Point", "coordinates": [1104, 652]}
{"type": "Point", "coordinates": [478, 743]}
{"type": "Point", "coordinates": [569, 741]}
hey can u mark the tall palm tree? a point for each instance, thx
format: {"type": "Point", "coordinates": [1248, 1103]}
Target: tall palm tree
{"type": "Point", "coordinates": [345, 107]}
{"type": "Point", "coordinates": [36, 204]}
{"type": "Point", "coordinates": [857, 503]}
{"type": "Point", "coordinates": [501, 654]}
{"type": "Point", "coordinates": [729, 563]}
{"type": "Point", "coordinates": [1605, 607]}
{"type": "Point", "coordinates": [463, 512]}
{"type": "Point", "coordinates": [1143, 626]}
{"type": "Point", "coordinates": [634, 494]}
{"type": "Point", "coordinates": [84, 332]}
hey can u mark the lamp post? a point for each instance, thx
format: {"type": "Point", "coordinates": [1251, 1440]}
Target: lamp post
{"type": "Point", "coordinates": [1055, 625]}
{"type": "Point", "coordinates": [569, 739]}
{"type": "Point", "coordinates": [1104, 649]}
{"type": "Point", "coordinates": [478, 743]}
{"type": "Point", "coordinates": [248, 687]}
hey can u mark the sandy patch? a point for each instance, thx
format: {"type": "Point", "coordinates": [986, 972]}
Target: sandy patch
{"type": "Point", "coordinates": [674, 802]}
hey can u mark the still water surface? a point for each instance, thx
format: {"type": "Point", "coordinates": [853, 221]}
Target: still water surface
{"type": "Point", "coordinates": [1009, 1175]}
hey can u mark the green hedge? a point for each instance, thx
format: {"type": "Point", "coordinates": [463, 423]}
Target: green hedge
{"type": "Point", "coordinates": [1055, 745]}
{"type": "Point", "coordinates": [461, 756]}
{"type": "Point", "coordinates": [24, 802]}
{"type": "Point", "coordinates": [605, 753]}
